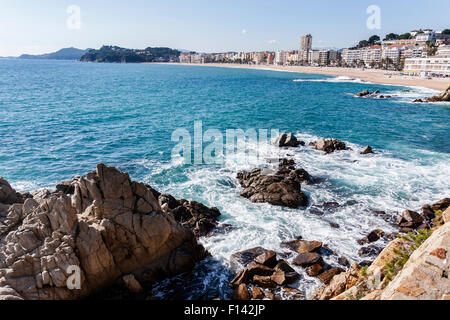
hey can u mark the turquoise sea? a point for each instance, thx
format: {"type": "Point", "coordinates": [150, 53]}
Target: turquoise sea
{"type": "Point", "coordinates": [59, 119]}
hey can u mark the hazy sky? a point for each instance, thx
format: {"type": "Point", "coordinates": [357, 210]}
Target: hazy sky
{"type": "Point", "coordinates": [28, 26]}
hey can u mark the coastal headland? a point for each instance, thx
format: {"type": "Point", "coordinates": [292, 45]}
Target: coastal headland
{"type": "Point", "coordinates": [368, 75]}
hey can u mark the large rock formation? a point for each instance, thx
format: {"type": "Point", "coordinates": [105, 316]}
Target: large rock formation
{"type": "Point", "coordinates": [424, 276]}
{"type": "Point", "coordinates": [104, 224]}
{"type": "Point", "coordinates": [280, 187]}
{"type": "Point", "coordinates": [442, 97]}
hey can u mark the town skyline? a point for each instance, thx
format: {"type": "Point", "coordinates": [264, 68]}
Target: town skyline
{"type": "Point", "coordinates": [202, 26]}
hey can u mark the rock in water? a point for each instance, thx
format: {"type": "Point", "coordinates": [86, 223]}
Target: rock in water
{"type": "Point", "coordinates": [443, 97]}
{"type": "Point", "coordinates": [191, 214]}
{"type": "Point", "coordinates": [281, 187]}
{"type": "Point", "coordinates": [367, 150]}
{"type": "Point", "coordinates": [288, 140]}
{"type": "Point", "coordinates": [109, 227]}
{"type": "Point", "coordinates": [330, 145]}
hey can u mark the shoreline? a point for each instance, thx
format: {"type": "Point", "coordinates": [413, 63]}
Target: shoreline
{"type": "Point", "coordinates": [383, 77]}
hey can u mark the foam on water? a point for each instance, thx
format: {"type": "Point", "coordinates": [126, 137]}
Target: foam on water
{"type": "Point", "coordinates": [361, 184]}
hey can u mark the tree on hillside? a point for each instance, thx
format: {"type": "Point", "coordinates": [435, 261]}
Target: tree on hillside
{"type": "Point", "coordinates": [363, 43]}
{"type": "Point", "coordinates": [405, 36]}
{"type": "Point", "coordinates": [374, 39]}
{"type": "Point", "coordinates": [446, 31]}
{"type": "Point", "coordinates": [391, 36]}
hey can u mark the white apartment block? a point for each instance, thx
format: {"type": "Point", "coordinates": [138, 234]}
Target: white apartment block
{"type": "Point", "coordinates": [428, 66]}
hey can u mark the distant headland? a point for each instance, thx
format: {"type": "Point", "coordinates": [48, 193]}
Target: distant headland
{"type": "Point", "coordinates": [114, 54]}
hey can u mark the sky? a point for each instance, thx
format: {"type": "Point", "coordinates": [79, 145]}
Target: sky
{"type": "Point", "coordinates": [44, 26]}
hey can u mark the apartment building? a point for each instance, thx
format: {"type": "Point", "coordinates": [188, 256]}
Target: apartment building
{"type": "Point", "coordinates": [431, 66]}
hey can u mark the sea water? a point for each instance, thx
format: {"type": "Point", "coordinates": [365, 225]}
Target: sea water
{"type": "Point", "coordinates": [59, 119]}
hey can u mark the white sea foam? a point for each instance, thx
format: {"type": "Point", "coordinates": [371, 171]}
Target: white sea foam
{"type": "Point", "coordinates": [359, 183]}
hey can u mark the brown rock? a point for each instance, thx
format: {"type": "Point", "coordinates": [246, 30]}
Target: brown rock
{"type": "Point", "coordinates": [330, 145]}
{"type": "Point", "coordinates": [241, 259]}
{"type": "Point", "coordinates": [264, 281]}
{"type": "Point", "coordinates": [314, 270]}
{"type": "Point", "coordinates": [279, 277]}
{"type": "Point", "coordinates": [328, 275]}
{"type": "Point", "coordinates": [268, 258]}
{"type": "Point", "coordinates": [132, 284]}
{"type": "Point", "coordinates": [302, 246]}
{"type": "Point", "coordinates": [241, 293]}
{"type": "Point", "coordinates": [257, 293]}
{"type": "Point", "coordinates": [441, 205]}
{"type": "Point", "coordinates": [375, 235]}
{"type": "Point", "coordinates": [410, 219]}
{"type": "Point", "coordinates": [109, 227]}
{"type": "Point", "coordinates": [308, 259]}
{"type": "Point", "coordinates": [367, 150]}
{"type": "Point", "coordinates": [283, 266]}
{"type": "Point", "coordinates": [340, 283]}
{"type": "Point", "coordinates": [269, 294]}
{"type": "Point", "coordinates": [281, 188]}
{"type": "Point", "coordinates": [288, 140]}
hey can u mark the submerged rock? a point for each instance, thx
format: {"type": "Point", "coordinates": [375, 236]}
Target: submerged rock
{"type": "Point", "coordinates": [367, 93]}
{"type": "Point", "coordinates": [109, 227]}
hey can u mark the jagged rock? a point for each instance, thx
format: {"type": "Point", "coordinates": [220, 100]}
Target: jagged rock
{"type": "Point", "coordinates": [334, 225]}
{"type": "Point", "coordinates": [328, 275]}
{"type": "Point", "coordinates": [241, 259]}
{"type": "Point", "coordinates": [308, 259]}
{"type": "Point", "coordinates": [442, 97]}
{"type": "Point", "coordinates": [283, 266]}
{"type": "Point", "coordinates": [428, 212]}
{"type": "Point", "coordinates": [264, 281]}
{"type": "Point", "coordinates": [277, 188]}
{"type": "Point", "coordinates": [7, 194]}
{"type": "Point", "coordinates": [314, 270]}
{"type": "Point", "coordinates": [288, 140]}
{"type": "Point", "coordinates": [269, 294]}
{"type": "Point", "coordinates": [343, 261]}
{"type": "Point", "coordinates": [330, 145]}
{"type": "Point", "coordinates": [369, 251]}
{"type": "Point", "coordinates": [302, 246]}
{"type": "Point", "coordinates": [374, 236]}
{"type": "Point", "coordinates": [132, 284]}
{"type": "Point", "coordinates": [241, 293]}
{"type": "Point", "coordinates": [418, 101]}
{"type": "Point", "coordinates": [279, 277]}
{"type": "Point", "coordinates": [425, 275]}
{"type": "Point", "coordinates": [338, 284]}
{"type": "Point", "coordinates": [441, 205]}
{"type": "Point", "coordinates": [367, 150]}
{"type": "Point", "coordinates": [268, 258]}
{"type": "Point", "coordinates": [410, 219]}
{"type": "Point", "coordinates": [110, 226]}
{"type": "Point", "coordinates": [257, 293]}
{"type": "Point", "coordinates": [191, 214]}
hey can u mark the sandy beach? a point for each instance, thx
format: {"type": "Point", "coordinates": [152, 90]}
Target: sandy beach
{"type": "Point", "coordinates": [375, 76]}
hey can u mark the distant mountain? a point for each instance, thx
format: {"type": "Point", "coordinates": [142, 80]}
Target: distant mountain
{"type": "Point", "coordinates": [123, 55]}
{"type": "Point", "coordinates": [63, 54]}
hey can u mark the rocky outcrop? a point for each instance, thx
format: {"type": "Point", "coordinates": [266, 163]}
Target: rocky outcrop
{"type": "Point", "coordinates": [423, 276]}
{"type": "Point", "coordinates": [444, 96]}
{"type": "Point", "coordinates": [263, 272]}
{"type": "Point", "coordinates": [103, 225]}
{"type": "Point", "coordinates": [280, 187]}
{"type": "Point", "coordinates": [330, 145]}
{"type": "Point", "coordinates": [190, 214]}
{"type": "Point", "coordinates": [8, 195]}
{"type": "Point", "coordinates": [288, 140]}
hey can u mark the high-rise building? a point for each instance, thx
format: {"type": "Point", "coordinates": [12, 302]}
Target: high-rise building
{"type": "Point", "coordinates": [306, 43]}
